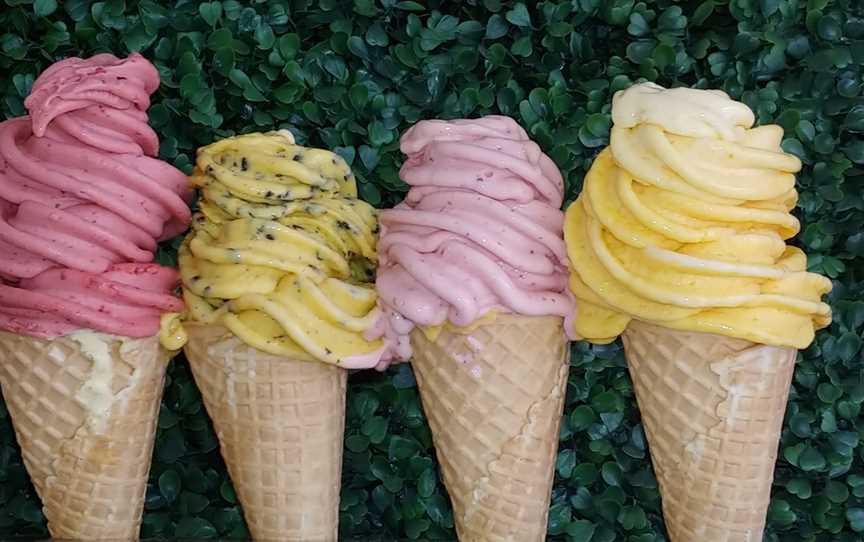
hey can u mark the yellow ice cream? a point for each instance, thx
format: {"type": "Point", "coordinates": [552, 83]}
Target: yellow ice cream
{"type": "Point", "coordinates": [682, 223]}
{"type": "Point", "coordinates": [282, 252]}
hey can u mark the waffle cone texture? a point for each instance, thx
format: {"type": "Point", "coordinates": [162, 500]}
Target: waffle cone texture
{"type": "Point", "coordinates": [86, 429]}
{"type": "Point", "coordinates": [712, 408]}
{"type": "Point", "coordinates": [494, 398]}
{"type": "Point", "coordinates": [280, 424]}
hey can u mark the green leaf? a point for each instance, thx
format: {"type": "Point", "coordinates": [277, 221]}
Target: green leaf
{"type": "Point", "coordinates": [611, 474]}
{"type": "Point", "coordinates": [855, 119]}
{"type": "Point", "coordinates": [221, 39]}
{"type": "Point", "coordinates": [410, 6]}
{"type": "Point", "coordinates": [357, 443]}
{"type": "Point", "coordinates": [632, 518]}
{"type": "Point", "coordinates": [810, 459]}
{"type": "Point", "coordinates": [836, 492]}
{"type": "Point", "coordinates": [848, 346]}
{"type": "Point", "coordinates": [382, 499]}
{"type": "Point", "coordinates": [370, 193]}
{"type": "Point", "coordinates": [288, 94]}
{"type": "Point", "coordinates": [702, 12]}
{"type": "Point", "coordinates": [336, 67]}
{"type": "Point", "coordinates": [402, 448]}
{"type": "Point", "coordinates": [377, 36]}
{"type": "Point", "coordinates": [828, 393]}
{"type": "Point", "coordinates": [496, 27]}
{"type": "Point", "coordinates": [581, 530]}
{"type": "Point", "coordinates": [565, 463]}
{"type": "Point", "coordinates": [582, 417]}
{"type": "Point", "coordinates": [224, 61]}
{"type": "Point", "coordinates": [30, 512]}
{"type": "Point", "coordinates": [416, 527]}
{"type": "Point", "coordinates": [44, 8]}
{"type": "Point", "coordinates": [195, 528]}
{"type": "Point", "coordinates": [265, 37]}
{"type": "Point", "coordinates": [369, 157]}
{"type": "Point", "coordinates": [612, 420]}
{"type": "Point", "coordinates": [193, 503]}
{"type": "Point", "coordinates": [664, 56]}
{"type": "Point", "coordinates": [799, 487]}
{"type": "Point", "coordinates": [781, 512]}
{"type": "Point", "coordinates": [378, 134]}
{"type": "Point", "coordinates": [769, 7]}
{"type": "Point", "coordinates": [226, 490]}
{"type": "Point", "coordinates": [519, 15]}
{"type": "Point", "coordinates": [437, 509]}
{"type": "Point", "coordinates": [77, 9]}
{"type": "Point", "coordinates": [289, 45]}
{"type": "Point", "coordinates": [559, 518]}
{"type": "Point", "coordinates": [137, 38]}
{"type": "Point", "coordinates": [855, 151]}
{"type": "Point", "coordinates": [375, 428]}
{"type": "Point", "coordinates": [855, 516]}
{"type": "Point", "coordinates": [169, 485]}
{"type": "Point", "coordinates": [211, 12]}
{"type": "Point", "coordinates": [522, 47]}
{"type": "Point", "coordinates": [426, 483]}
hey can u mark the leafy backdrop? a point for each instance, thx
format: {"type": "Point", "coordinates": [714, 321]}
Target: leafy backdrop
{"type": "Point", "coordinates": [351, 75]}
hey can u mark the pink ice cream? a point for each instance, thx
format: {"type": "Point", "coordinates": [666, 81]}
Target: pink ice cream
{"type": "Point", "coordinates": [480, 230]}
{"type": "Point", "coordinates": [84, 201]}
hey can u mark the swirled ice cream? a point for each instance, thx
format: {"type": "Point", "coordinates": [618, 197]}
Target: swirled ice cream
{"type": "Point", "coordinates": [83, 203]}
{"type": "Point", "coordinates": [282, 252]}
{"type": "Point", "coordinates": [478, 233]}
{"type": "Point", "coordinates": [682, 222]}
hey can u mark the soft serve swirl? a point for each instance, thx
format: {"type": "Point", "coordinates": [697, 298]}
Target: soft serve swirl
{"type": "Point", "coordinates": [83, 202]}
{"type": "Point", "coordinates": [282, 251]}
{"type": "Point", "coordinates": [479, 231]}
{"type": "Point", "coordinates": [682, 223]}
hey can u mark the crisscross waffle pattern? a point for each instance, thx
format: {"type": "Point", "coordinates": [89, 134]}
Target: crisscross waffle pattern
{"type": "Point", "coordinates": [494, 398]}
{"type": "Point", "coordinates": [280, 423]}
{"type": "Point", "coordinates": [713, 408]}
{"type": "Point", "coordinates": [90, 476]}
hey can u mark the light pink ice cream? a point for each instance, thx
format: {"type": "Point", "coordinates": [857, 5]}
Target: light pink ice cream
{"type": "Point", "coordinates": [84, 201]}
{"type": "Point", "coordinates": [480, 229]}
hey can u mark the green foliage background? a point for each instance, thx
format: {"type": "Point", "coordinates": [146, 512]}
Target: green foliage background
{"type": "Point", "coordinates": [351, 75]}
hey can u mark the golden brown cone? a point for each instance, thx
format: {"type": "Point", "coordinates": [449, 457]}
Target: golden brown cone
{"type": "Point", "coordinates": [712, 408]}
{"type": "Point", "coordinates": [280, 423]}
{"type": "Point", "coordinates": [494, 397]}
{"type": "Point", "coordinates": [90, 471]}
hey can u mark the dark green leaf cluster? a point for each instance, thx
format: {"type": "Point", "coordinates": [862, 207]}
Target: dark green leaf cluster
{"type": "Point", "coordinates": [351, 75]}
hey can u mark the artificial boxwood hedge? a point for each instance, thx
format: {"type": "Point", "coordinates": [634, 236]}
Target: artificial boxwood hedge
{"type": "Point", "coordinates": [352, 75]}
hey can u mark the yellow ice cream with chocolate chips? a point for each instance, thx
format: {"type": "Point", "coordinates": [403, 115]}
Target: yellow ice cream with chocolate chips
{"type": "Point", "coordinates": [282, 252]}
{"type": "Point", "coordinates": [682, 223]}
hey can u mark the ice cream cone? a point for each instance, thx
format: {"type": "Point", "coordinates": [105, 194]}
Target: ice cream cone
{"type": "Point", "coordinates": [280, 423]}
{"type": "Point", "coordinates": [493, 397]}
{"type": "Point", "coordinates": [712, 408]}
{"type": "Point", "coordinates": [85, 407]}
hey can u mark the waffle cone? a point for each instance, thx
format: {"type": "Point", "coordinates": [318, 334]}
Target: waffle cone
{"type": "Point", "coordinates": [86, 427]}
{"type": "Point", "coordinates": [494, 397]}
{"type": "Point", "coordinates": [280, 423]}
{"type": "Point", "coordinates": [712, 408]}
